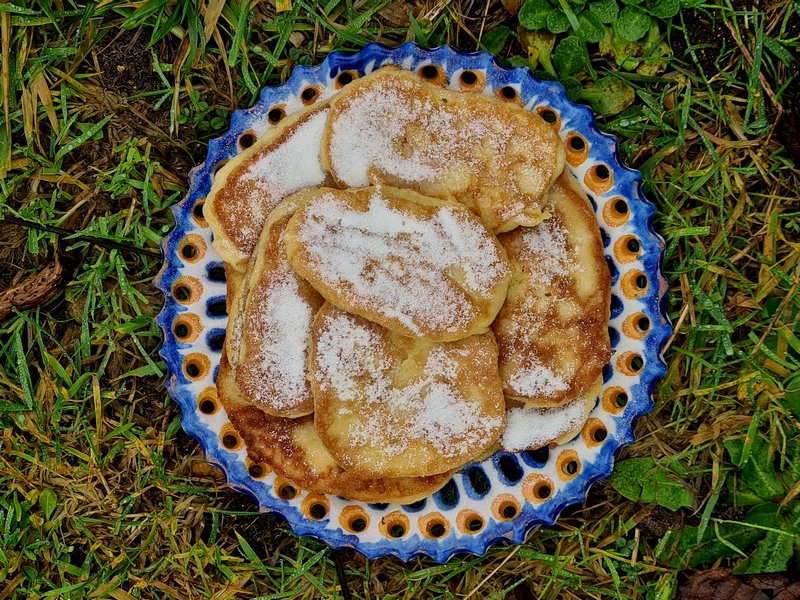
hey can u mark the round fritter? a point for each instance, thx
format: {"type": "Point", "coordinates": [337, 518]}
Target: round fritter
{"type": "Point", "coordinates": [418, 266]}
{"type": "Point", "coordinates": [533, 428]}
{"type": "Point", "coordinates": [294, 451]}
{"type": "Point", "coordinates": [392, 406]}
{"type": "Point", "coordinates": [275, 326]}
{"type": "Point", "coordinates": [495, 157]}
{"type": "Point", "coordinates": [250, 185]}
{"type": "Point", "coordinates": [553, 328]}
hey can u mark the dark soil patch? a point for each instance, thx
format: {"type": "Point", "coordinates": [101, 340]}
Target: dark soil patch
{"type": "Point", "coordinates": [127, 64]}
{"type": "Point", "coordinates": [708, 38]}
{"type": "Point", "coordinates": [657, 523]}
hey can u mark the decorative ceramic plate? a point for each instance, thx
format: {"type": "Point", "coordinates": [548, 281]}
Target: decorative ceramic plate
{"type": "Point", "coordinates": [504, 496]}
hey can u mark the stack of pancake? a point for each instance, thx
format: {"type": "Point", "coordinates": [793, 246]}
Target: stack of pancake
{"type": "Point", "coordinates": [414, 280]}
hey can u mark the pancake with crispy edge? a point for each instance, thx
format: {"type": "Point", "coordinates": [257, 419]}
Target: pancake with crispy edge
{"type": "Point", "coordinates": [415, 265]}
{"type": "Point", "coordinates": [533, 428]}
{"type": "Point", "coordinates": [495, 157]}
{"type": "Point", "coordinates": [246, 189]}
{"type": "Point", "coordinates": [271, 326]}
{"type": "Point", "coordinates": [552, 330]}
{"type": "Point", "coordinates": [293, 450]}
{"type": "Point", "coordinates": [387, 405]}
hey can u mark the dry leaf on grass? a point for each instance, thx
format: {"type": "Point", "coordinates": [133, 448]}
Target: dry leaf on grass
{"type": "Point", "coordinates": [36, 289]}
{"type": "Point", "coordinates": [721, 584]}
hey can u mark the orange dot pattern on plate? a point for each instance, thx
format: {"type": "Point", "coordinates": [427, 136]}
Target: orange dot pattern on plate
{"type": "Point", "coordinates": [354, 519]}
{"type": "Point", "coordinates": [433, 74]}
{"type": "Point", "coordinates": [508, 93]}
{"type": "Point", "coordinates": [634, 284]}
{"type": "Point", "coordinates": [197, 213]}
{"type": "Point", "coordinates": [187, 290]}
{"type": "Point", "coordinates": [599, 179]}
{"type": "Point", "coordinates": [636, 326]}
{"type": "Point", "coordinates": [537, 488]}
{"type": "Point", "coordinates": [315, 506]}
{"type": "Point", "coordinates": [434, 525]}
{"type": "Point", "coordinates": [577, 149]}
{"type": "Point", "coordinates": [247, 139]}
{"type": "Point", "coordinates": [630, 363]}
{"type": "Point", "coordinates": [550, 116]}
{"type": "Point", "coordinates": [505, 507]}
{"type": "Point", "coordinates": [187, 327]}
{"type": "Point", "coordinates": [230, 439]}
{"type": "Point", "coordinates": [207, 401]}
{"type": "Point", "coordinates": [616, 212]}
{"type": "Point", "coordinates": [568, 465]}
{"type": "Point", "coordinates": [594, 432]}
{"type": "Point", "coordinates": [276, 114]}
{"type": "Point", "coordinates": [257, 470]}
{"type": "Point", "coordinates": [345, 77]}
{"type": "Point", "coordinates": [472, 81]}
{"type": "Point", "coordinates": [470, 522]}
{"type": "Point", "coordinates": [627, 249]}
{"type": "Point", "coordinates": [196, 366]}
{"type": "Point", "coordinates": [615, 399]}
{"type": "Point", "coordinates": [192, 248]}
{"type": "Point", "coordinates": [310, 95]}
{"type": "Point", "coordinates": [285, 490]}
{"type": "Point", "coordinates": [394, 525]}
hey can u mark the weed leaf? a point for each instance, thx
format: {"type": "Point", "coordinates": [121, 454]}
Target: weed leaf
{"type": "Point", "coordinates": [605, 10]}
{"type": "Point", "coordinates": [496, 39]}
{"type": "Point", "coordinates": [633, 23]}
{"type": "Point", "coordinates": [664, 9]}
{"type": "Point", "coordinates": [557, 22]}
{"type": "Point", "coordinates": [592, 29]}
{"type": "Point", "coordinates": [771, 555]}
{"type": "Point", "coordinates": [759, 473]}
{"type": "Point", "coordinates": [568, 57]}
{"type": "Point", "coordinates": [48, 501]}
{"type": "Point", "coordinates": [533, 14]}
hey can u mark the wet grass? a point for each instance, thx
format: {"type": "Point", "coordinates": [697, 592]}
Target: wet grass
{"type": "Point", "coordinates": [106, 108]}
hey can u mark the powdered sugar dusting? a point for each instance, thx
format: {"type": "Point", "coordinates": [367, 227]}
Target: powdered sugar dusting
{"type": "Point", "coordinates": [282, 318]}
{"type": "Point", "coordinates": [403, 265]}
{"type": "Point", "coordinates": [545, 249]}
{"type": "Point", "coordinates": [529, 429]}
{"type": "Point", "coordinates": [292, 165]}
{"type": "Point", "coordinates": [536, 380]}
{"type": "Point", "coordinates": [352, 363]}
{"type": "Point", "coordinates": [277, 172]}
{"type": "Point", "coordinates": [498, 162]}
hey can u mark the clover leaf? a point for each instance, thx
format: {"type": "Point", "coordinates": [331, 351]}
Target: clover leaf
{"type": "Point", "coordinates": [592, 29]}
{"type": "Point", "coordinates": [664, 9]}
{"type": "Point", "coordinates": [558, 22]}
{"type": "Point", "coordinates": [605, 10]}
{"type": "Point", "coordinates": [633, 23]}
{"type": "Point", "coordinates": [608, 96]}
{"type": "Point", "coordinates": [533, 14]}
{"type": "Point", "coordinates": [494, 40]}
{"type": "Point", "coordinates": [569, 57]}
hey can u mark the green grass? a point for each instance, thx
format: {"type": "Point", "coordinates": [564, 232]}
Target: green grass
{"type": "Point", "coordinates": [101, 492]}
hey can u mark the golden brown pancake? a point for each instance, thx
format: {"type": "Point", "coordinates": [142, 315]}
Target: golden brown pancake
{"type": "Point", "coordinates": [496, 158]}
{"type": "Point", "coordinates": [275, 327]}
{"type": "Point", "coordinates": [234, 282]}
{"type": "Point", "coordinates": [250, 185]}
{"type": "Point", "coordinates": [294, 451]}
{"type": "Point", "coordinates": [418, 266]}
{"type": "Point", "coordinates": [387, 405]}
{"type": "Point", "coordinates": [553, 328]}
{"type": "Point", "coordinates": [533, 428]}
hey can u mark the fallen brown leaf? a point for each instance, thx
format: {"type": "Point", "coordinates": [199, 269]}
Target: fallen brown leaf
{"type": "Point", "coordinates": [36, 289]}
{"type": "Point", "coordinates": [721, 584]}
